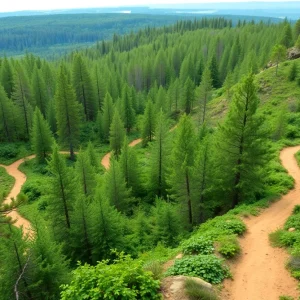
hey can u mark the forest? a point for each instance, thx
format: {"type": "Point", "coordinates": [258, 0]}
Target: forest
{"type": "Point", "coordinates": [139, 148]}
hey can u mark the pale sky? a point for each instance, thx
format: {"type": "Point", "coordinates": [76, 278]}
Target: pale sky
{"type": "Point", "coordinates": [17, 5]}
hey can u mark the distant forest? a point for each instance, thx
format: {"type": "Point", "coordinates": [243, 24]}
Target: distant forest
{"type": "Point", "coordinates": [38, 34]}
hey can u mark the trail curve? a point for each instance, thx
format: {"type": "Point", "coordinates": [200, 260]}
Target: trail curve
{"type": "Point", "coordinates": [260, 273]}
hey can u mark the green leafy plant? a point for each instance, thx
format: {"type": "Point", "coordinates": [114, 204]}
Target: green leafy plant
{"type": "Point", "coordinates": [199, 245]}
{"type": "Point", "coordinates": [229, 246]}
{"type": "Point", "coordinates": [196, 291]}
{"type": "Point", "coordinates": [293, 222]}
{"type": "Point", "coordinates": [155, 267]}
{"type": "Point", "coordinates": [286, 298]}
{"type": "Point", "coordinates": [124, 279]}
{"type": "Point", "coordinates": [296, 209]}
{"type": "Point", "coordinates": [208, 267]}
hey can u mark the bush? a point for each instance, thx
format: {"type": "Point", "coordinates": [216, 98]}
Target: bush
{"type": "Point", "coordinates": [32, 190]}
{"type": "Point", "coordinates": [8, 151]}
{"type": "Point", "coordinates": [229, 246]}
{"type": "Point", "coordinates": [286, 298]}
{"type": "Point", "coordinates": [208, 267]}
{"type": "Point", "coordinates": [199, 245]}
{"type": "Point", "coordinates": [233, 226]}
{"type": "Point", "coordinates": [294, 263]}
{"type": "Point", "coordinates": [124, 279]}
{"type": "Point", "coordinates": [275, 238]}
{"type": "Point", "coordinates": [293, 222]}
{"type": "Point", "coordinates": [196, 291]}
{"type": "Point", "coordinates": [296, 210]}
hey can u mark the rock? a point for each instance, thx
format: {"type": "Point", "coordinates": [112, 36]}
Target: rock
{"type": "Point", "coordinates": [179, 256]}
{"type": "Point", "coordinates": [178, 283]}
{"type": "Point", "coordinates": [293, 53]}
{"type": "Point", "coordinates": [292, 229]}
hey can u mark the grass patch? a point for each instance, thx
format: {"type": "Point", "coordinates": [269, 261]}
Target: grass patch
{"type": "Point", "coordinates": [6, 183]}
{"type": "Point", "coordinates": [229, 246]}
{"type": "Point", "coordinates": [196, 291]}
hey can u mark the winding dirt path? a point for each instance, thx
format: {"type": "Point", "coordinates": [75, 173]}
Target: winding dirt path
{"type": "Point", "coordinates": [260, 274]}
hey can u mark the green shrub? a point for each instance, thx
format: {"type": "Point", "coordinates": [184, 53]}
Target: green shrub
{"type": "Point", "coordinates": [199, 245]}
{"type": "Point", "coordinates": [275, 238]}
{"type": "Point", "coordinates": [294, 263]}
{"type": "Point", "coordinates": [293, 222]}
{"type": "Point", "coordinates": [32, 190]}
{"type": "Point", "coordinates": [229, 246]}
{"type": "Point", "coordinates": [155, 268]}
{"type": "Point", "coordinates": [124, 279]}
{"type": "Point", "coordinates": [233, 226]}
{"type": "Point", "coordinates": [286, 298]}
{"type": "Point", "coordinates": [296, 210]}
{"type": "Point", "coordinates": [8, 151]}
{"type": "Point", "coordinates": [208, 267]}
{"type": "Point", "coordinates": [196, 291]}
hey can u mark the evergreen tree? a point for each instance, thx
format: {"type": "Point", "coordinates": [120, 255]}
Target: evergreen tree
{"type": "Point", "coordinates": [41, 136]}
{"type": "Point", "coordinates": [61, 195]}
{"type": "Point", "coordinates": [68, 113]}
{"type": "Point", "coordinates": [242, 145]}
{"type": "Point", "coordinates": [100, 87]}
{"type": "Point", "coordinates": [181, 168]}
{"type": "Point", "coordinates": [189, 96]}
{"type": "Point", "coordinates": [116, 134]}
{"type": "Point", "coordinates": [293, 72]}
{"type": "Point", "coordinates": [159, 154]}
{"type": "Point", "coordinates": [204, 94]}
{"type": "Point", "coordinates": [108, 113]}
{"type": "Point", "coordinates": [287, 38]}
{"type": "Point", "coordinates": [127, 109]}
{"type": "Point", "coordinates": [214, 71]}
{"type": "Point", "coordinates": [39, 91]}
{"type": "Point", "coordinates": [174, 96]}
{"type": "Point", "coordinates": [161, 68]}
{"type": "Point", "coordinates": [148, 125]}
{"type": "Point", "coordinates": [228, 84]}
{"type": "Point", "coordinates": [115, 188]}
{"type": "Point", "coordinates": [161, 100]}
{"type": "Point", "coordinates": [92, 155]}
{"type": "Point", "coordinates": [83, 87]}
{"type": "Point", "coordinates": [7, 77]}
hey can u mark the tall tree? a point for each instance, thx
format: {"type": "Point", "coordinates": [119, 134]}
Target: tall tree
{"type": "Point", "coordinates": [83, 87]}
{"type": "Point", "coordinates": [214, 71]}
{"type": "Point", "coordinates": [68, 113]}
{"type": "Point", "coordinates": [116, 133]}
{"type": "Point", "coordinates": [128, 112]}
{"type": "Point", "coordinates": [41, 136]}
{"type": "Point", "coordinates": [182, 164]}
{"type": "Point", "coordinates": [278, 55]}
{"type": "Point", "coordinates": [189, 96]}
{"type": "Point", "coordinates": [108, 113]}
{"type": "Point", "coordinates": [148, 125]}
{"type": "Point", "coordinates": [7, 77]}
{"type": "Point", "coordinates": [241, 145]}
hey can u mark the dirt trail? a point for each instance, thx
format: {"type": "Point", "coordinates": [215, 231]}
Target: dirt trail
{"type": "Point", "coordinates": [260, 274]}
{"type": "Point", "coordinates": [106, 158]}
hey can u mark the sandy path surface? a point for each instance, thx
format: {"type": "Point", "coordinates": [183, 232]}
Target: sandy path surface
{"type": "Point", "coordinates": [106, 158]}
{"type": "Point", "coordinates": [260, 274]}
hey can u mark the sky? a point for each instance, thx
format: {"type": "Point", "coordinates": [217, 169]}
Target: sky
{"type": "Point", "coordinates": [17, 5]}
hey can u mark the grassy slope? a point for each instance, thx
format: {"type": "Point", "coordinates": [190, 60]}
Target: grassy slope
{"type": "Point", "coordinates": [6, 183]}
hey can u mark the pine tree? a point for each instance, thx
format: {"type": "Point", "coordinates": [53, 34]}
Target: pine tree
{"type": "Point", "coordinates": [214, 71]}
{"type": "Point", "coordinates": [83, 87]}
{"type": "Point", "coordinates": [228, 84]}
{"type": "Point", "coordinates": [160, 100]}
{"type": "Point", "coordinates": [242, 145]}
{"type": "Point", "coordinates": [128, 112]}
{"type": "Point", "coordinates": [148, 125]}
{"type": "Point", "coordinates": [189, 96]}
{"type": "Point", "coordinates": [174, 96]}
{"type": "Point", "coordinates": [7, 120]}
{"type": "Point", "coordinates": [182, 164]}
{"type": "Point", "coordinates": [61, 195]}
{"type": "Point", "coordinates": [92, 155]}
{"type": "Point", "coordinates": [287, 38]}
{"type": "Point", "coordinates": [106, 230]}
{"type": "Point", "coordinates": [100, 87]}
{"type": "Point", "coordinates": [116, 134]}
{"type": "Point", "coordinates": [41, 136]}
{"type": "Point", "coordinates": [293, 72]}
{"type": "Point", "coordinates": [115, 188]}
{"type": "Point", "coordinates": [68, 113]}
{"type": "Point", "coordinates": [7, 77]}
{"type": "Point", "coordinates": [161, 68]}
{"type": "Point", "coordinates": [159, 154]}
{"type": "Point", "coordinates": [21, 96]}
{"type": "Point", "coordinates": [108, 113]}
{"type": "Point", "coordinates": [204, 94]}
{"type": "Point", "coordinates": [49, 267]}
{"type": "Point", "coordinates": [39, 91]}
{"type": "Point", "coordinates": [129, 168]}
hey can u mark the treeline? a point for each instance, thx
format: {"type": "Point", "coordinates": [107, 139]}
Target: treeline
{"type": "Point", "coordinates": [190, 173]}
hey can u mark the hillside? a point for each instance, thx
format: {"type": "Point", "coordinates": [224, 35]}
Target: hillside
{"type": "Point", "coordinates": [188, 124]}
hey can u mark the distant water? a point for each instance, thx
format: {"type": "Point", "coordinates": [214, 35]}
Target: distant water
{"type": "Point", "coordinates": [124, 12]}
{"type": "Point", "coordinates": [196, 12]}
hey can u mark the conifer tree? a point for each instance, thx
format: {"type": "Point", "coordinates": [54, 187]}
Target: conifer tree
{"type": "Point", "coordinates": [181, 168]}
{"type": "Point", "coordinates": [128, 112]}
{"type": "Point", "coordinates": [116, 134]}
{"type": "Point", "coordinates": [159, 154]}
{"type": "Point", "coordinates": [106, 230]}
{"type": "Point", "coordinates": [287, 38]}
{"type": "Point", "coordinates": [228, 84]}
{"type": "Point", "coordinates": [100, 87]}
{"type": "Point", "coordinates": [83, 87]}
{"type": "Point", "coordinates": [278, 54]}
{"type": "Point", "coordinates": [21, 96]}
{"type": "Point", "coordinates": [174, 96]}
{"type": "Point", "coordinates": [68, 113]}
{"type": "Point", "coordinates": [148, 125]}
{"type": "Point", "coordinates": [189, 96]}
{"type": "Point", "coordinates": [293, 72]}
{"type": "Point", "coordinates": [214, 71]}
{"type": "Point", "coordinates": [41, 136]}
{"type": "Point", "coordinates": [204, 94]}
{"type": "Point", "coordinates": [61, 195]}
{"type": "Point", "coordinates": [129, 168]}
{"type": "Point", "coordinates": [7, 120]}
{"type": "Point", "coordinates": [7, 77]}
{"type": "Point", "coordinates": [161, 68]}
{"type": "Point", "coordinates": [161, 100]}
{"type": "Point", "coordinates": [92, 155]}
{"type": "Point", "coordinates": [115, 188]}
{"type": "Point", "coordinates": [39, 91]}
{"type": "Point", "coordinates": [242, 145]}
{"type": "Point", "coordinates": [108, 113]}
